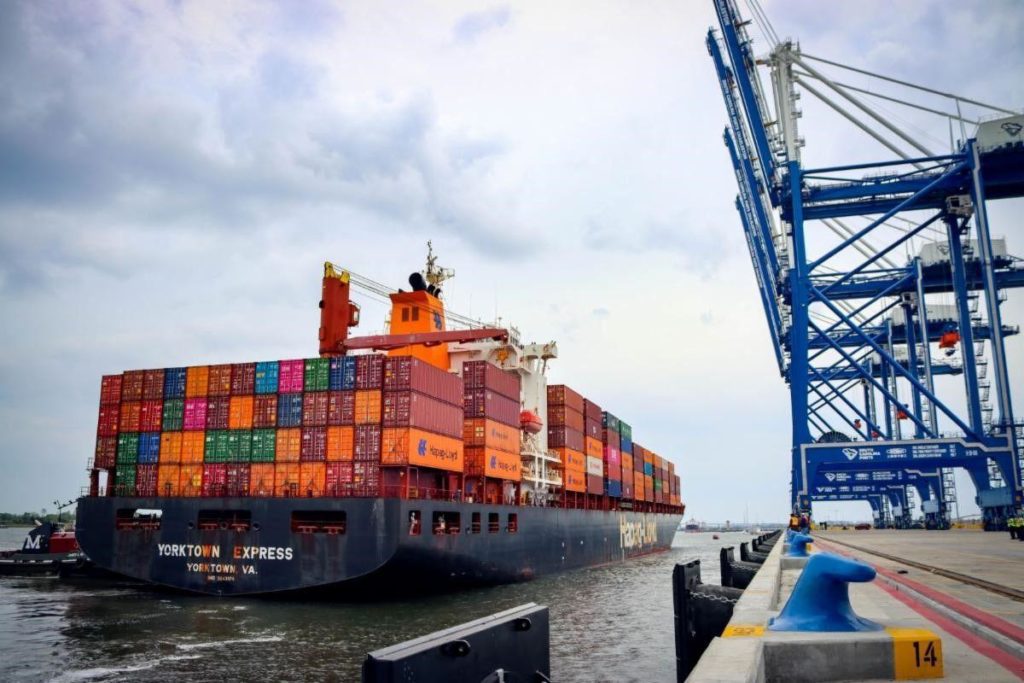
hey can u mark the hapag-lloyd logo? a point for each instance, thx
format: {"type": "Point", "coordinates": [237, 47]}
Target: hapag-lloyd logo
{"type": "Point", "coordinates": [502, 466]}
{"type": "Point", "coordinates": [424, 448]}
{"type": "Point", "coordinates": [637, 534]}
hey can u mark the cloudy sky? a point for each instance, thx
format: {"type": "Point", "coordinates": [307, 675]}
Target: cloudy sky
{"type": "Point", "coordinates": [173, 175]}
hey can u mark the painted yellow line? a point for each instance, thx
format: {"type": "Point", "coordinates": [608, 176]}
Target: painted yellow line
{"type": "Point", "coordinates": [743, 631]}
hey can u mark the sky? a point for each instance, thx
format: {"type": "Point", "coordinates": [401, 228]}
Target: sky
{"type": "Point", "coordinates": [174, 174]}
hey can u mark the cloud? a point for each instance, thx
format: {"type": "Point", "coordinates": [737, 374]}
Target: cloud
{"type": "Point", "coordinates": [471, 26]}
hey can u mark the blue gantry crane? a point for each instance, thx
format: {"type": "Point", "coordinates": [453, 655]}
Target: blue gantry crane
{"type": "Point", "coordinates": [880, 281]}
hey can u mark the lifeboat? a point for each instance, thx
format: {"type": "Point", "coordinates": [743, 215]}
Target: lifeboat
{"type": "Point", "coordinates": [530, 422]}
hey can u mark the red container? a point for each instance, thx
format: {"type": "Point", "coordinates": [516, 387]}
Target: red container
{"type": "Point", "coordinates": [264, 411]}
{"type": "Point", "coordinates": [131, 385]}
{"type": "Point", "coordinates": [560, 415]}
{"type": "Point", "coordinates": [595, 484]}
{"type": "Point", "coordinates": [370, 371]}
{"type": "Point", "coordinates": [218, 412]}
{"type": "Point", "coordinates": [215, 479]}
{"type": "Point", "coordinates": [638, 457]}
{"type": "Point", "coordinates": [627, 490]}
{"type": "Point", "coordinates": [493, 406]}
{"type": "Point", "coordinates": [563, 437]}
{"type": "Point", "coordinates": [559, 394]}
{"type": "Point", "coordinates": [220, 381]}
{"type": "Point", "coordinates": [237, 478]}
{"type": "Point", "coordinates": [479, 374]}
{"type": "Point", "coordinates": [110, 389]}
{"type": "Point", "coordinates": [314, 409]}
{"type": "Point", "coordinates": [366, 478]}
{"type": "Point", "coordinates": [405, 373]}
{"type": "Point", "coordinates": [106, 452]}
{"type": "Point", "coordinates": [151, 416]}
{"type": "Point", "coordinates": [592, 412]}
{"type": "Point", "coordinates": [612, 464]}
{"type": "Point", "coordinates": [367, 442]}
{"type": "Point", "coordinates": [145, 480]}
{"type": "Point", "coordinates": [153, 385]}
{"type": "Point", "coordinates": [314, 444]}
{"type": "Point", "coordinates": [130, 416]}
{"type": "Point", "coordinates": [411, 409]}
{"type": "Point", "coordinates": [339, 479]}
{"type": "Point", "coordinates": [610, 438]}
{"type": "Point", "coordinates": [108, 420]}
{"type": "Point", "coordinates": [243, 379]}
{"type": "Point", "coordinates": [592, 427]}
{"type": "Point", "coordinates": [341, 408]}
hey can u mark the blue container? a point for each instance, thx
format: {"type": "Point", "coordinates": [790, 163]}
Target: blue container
{"type": "Point", "coordinates": [174, 383]}
{"type": "Point", "coordinates": [613, 488]}
{"type": "Point", "coordinates": [266, 377]}
{"type": "Point", "coordinates": [149, 447]}
{"type": "Point", "coordinates": [649, 468]}
{"type": "Point", "coordinates": [289, 410]}
{"type": "Point", "coordinates": [342, 373]}
{"type": "Point", "coordinates": [625, 445]}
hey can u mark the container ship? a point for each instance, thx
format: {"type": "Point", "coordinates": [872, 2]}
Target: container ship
{"type": "Point", "coordinates": [424, 457]}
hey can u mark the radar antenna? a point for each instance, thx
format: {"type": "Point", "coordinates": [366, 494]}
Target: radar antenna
{"type": "Point", "coordinates": [435, 274]}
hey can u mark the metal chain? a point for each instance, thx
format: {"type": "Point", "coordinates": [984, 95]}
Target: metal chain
{"type": "Point", "coordinates": [713, 598]}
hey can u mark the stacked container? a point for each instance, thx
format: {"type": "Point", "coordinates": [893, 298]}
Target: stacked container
{"type": "Point", "coordinates": [566, 435]}
{"type": "Point", "coordinates": [612, 461]}
{"type": "Point", "coordinates": [491, 429]}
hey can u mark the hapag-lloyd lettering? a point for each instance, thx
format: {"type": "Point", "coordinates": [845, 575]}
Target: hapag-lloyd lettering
{"type": "Point", "coordinates": [443, 453]}
{"type": "Point", "coordinates": [637, 534]}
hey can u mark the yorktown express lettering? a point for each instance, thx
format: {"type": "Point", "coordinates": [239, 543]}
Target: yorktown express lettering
{"type": "Point", "coordinates": [239, 552]}
{"type": "Point", "coordinates": [637, 534]}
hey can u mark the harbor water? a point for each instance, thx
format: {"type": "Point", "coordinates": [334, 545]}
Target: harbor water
{"type": "Point", "coordinates": [610, 623]}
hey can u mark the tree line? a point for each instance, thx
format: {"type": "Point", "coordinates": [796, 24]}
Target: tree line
{"type": "Point", "coordinates": [30, 518]}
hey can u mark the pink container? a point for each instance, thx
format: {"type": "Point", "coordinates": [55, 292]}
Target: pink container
{"type": "Point", "coordinates": [405, 373]}
{"type": "Point", "coordinates": [291, 376]}
{"type": "Point", "coordinates": [195, 414]}
{"type": "Point", "coordinates": [612, 463]}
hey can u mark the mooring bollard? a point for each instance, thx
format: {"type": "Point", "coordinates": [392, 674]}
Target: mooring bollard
{"type": "Point", "coordinates": [798, 545]}
{"type": "Point", "coordinates": [821, 597]}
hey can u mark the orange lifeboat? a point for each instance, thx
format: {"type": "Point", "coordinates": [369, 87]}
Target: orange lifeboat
{"type": "Point", "coordinates": [530, 422]}
{"type": "Point", "coordinates": [949, 340]}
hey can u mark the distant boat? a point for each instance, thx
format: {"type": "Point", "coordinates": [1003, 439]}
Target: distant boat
{"type": "Point", "coordinates": [714, 537]}
{"type": "Point", "coordinates": [692, 526]}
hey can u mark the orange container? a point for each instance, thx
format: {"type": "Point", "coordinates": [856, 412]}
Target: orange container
{"type": "Point", "coordinates": [573, 460]}
{"type": "Point", "coordinates": [289, 445]}
{"type": "Point", "coordinates": [167, 478]}
{"type": "Point", "coordinates": [368, 407]}
{"type": "Point", "coordinates": [408, 446]}
{"type": "Point", "coordinates": [170, 449]}
{"type": "Point", "coordinates": [574, 481]}
{"type": "Point", "coordinates": [190, 481]}
{"type": "Point", "coordinates": [490, 434]}
{"type": "Point", "coordinates": [312, 478]}
{"type": "Point", "coordinates": [627, 462]}
{"type": "Point", "coordinates": [493, 463]}
{"type": "Point", "coordinates": [261, 479]}
{"type": "Point", "coordinates": [286, 479]}
{"type": "Point", "coordinates": [340, 443]}
{"type": "Point", "coordinates": [193, 445]}
{"type": "Point", "coordinates": [131, 414]}
{"type": "Point", "coordinates": [593, 447]}
{"type": "Point", "coordinates": [197, 381]}
{"type": "Point", "coordinates": [240, 412]}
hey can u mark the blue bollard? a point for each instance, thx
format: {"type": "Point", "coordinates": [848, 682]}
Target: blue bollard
{"type": "Point", "coordinates": [798, 545]}
{"type": "Point", "coordinates": [821, 597]}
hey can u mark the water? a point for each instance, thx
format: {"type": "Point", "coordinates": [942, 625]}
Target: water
{"type": "Point", "coordinates": [611, 623]}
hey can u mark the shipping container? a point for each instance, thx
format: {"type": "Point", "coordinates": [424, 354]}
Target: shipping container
{"type": "Point", "coordinates": [312, 476]}
{"type": "Point", "coordinates": [170, 448]}
{"type": "Point", "coordinates": [370, 371]}
{"type": "Point", "coordinates": [267, 374]}
{"type": "Point", "coordinates": [129, 418]}
{"type": "Point", "coordinates": [127, 448]}
{"type": "Point", "coordinates": [488, 404]}
{"type": "Point", "coordinates": [612, 463]}
{"type": "Point", "coordinates": [559, 394]}
{"type": "Point", "coordinates": [261, 479]}
{"type": "Point", "coordinates": [240, 412]}
{"type": "Point", "coordinates": [110, 389]}
{"type": "Point", "coordinates": [483, 462]}
{"type": "Point", "coordinates": [368, 409]}
{"type": "Point", "coordinates": [625, 431]}
{"type": "Point", "coordinates": [291, 376]}
{"type": "Point", "coordinates": [317, 372]}
{"type": "Point", "coordinates": [191, 480]}
{"type": "Point", "coordinates": [648, 469]}
{"type": "Point", "coordinates": [131, 385]}
{"type": "Point", "coordinates": [366, 479]}
{"type": "Point", "coordinates": [243, 379]}
{"type": "Point", "coordinates": [240, 445]}
{"type": "Point", "coordinates": [408, 408]}
{"type": "Point", "coordinates": [264, 445]}
{"type": "Point", "coordinates": [610, 438]}
{"type": "Point", "coordinates": [289, 410]}
{"type": "Point", "coordinates": [563, 437]}
{"type": "Point", "coordinates": [289, 445]}
{"type": "Point", "coordinates": [167, 480]}
{"type": "Point", "coordinates": [340, 443]}
{"type": "Point", "coordinates": [627, 464]}
{"type": "Point", "coordinates": [314, 444]}
{"type": "Point", "coordinates": [216, 447]}
{"type": "Point", "coordinates": [613, 488]}
{"type": "Point", "coordinates": [338, 479]}
{"type": "Point", "coordinates": [219, 380]}
{"type": "Point", "coordinates": [109, 419]}
{"type": "Point", "coordinates": [195, 414]}
{"type": "Point", "coordinates": [153, 385]}
{"type": "Point", "coordinates": [592, 412]}
{"type": "Point", "coordinates": [625, 444]}
{"type": "Point", "coordinates": [146, 477]}
{"type": "Point", "coordinates": [218, 411]}
{"type": "Point", "coordinates": [595, 484]}
{"type": "Point", "coordinates": [264, 411]}
{"type": "Point", "coordinates": [197, 381]}
{"type": "Point", "coordinates": [149, 447]}
{"type": "Point", "coordinates": [592, 428]}
{"type": "Point", "coordinates": [595, 467]}
{"type": "Point", "coordinates": [628, 476]}
{"type": "Point", "coordinates": [405, 374]}
{"type": "Point", "coordinates": [565, 416]}
{"type": "Point", "coordinates": [480, 432]}
{"type": "Point", "coordinates": [174, 382]}
{"type": "Point", "coordinates": [286, 479]}
{"type": "Point", "coordinates": [124, 479]}
{"type": "Point", "coordinates": [193, 445]}
{"type": "Point", "coordinates": [575, 481]}
{"type": "Point", "coordinates": [215, 479]}
{"type": "Point", "coordinates": [173, 419]}
{"type": "Point", "coordinates": [341, 373]}
{"type": "Point", "coordinates": [314, 409]}
{"type": "Point", "coordinates": [238, 479]}
{"type": "Point", "coordinates": [367, 442]}
{"type": "Point", "coordinates": [572, 460]}
{"type": "Point", "coordinates": [415, 447]}
{"type": "Point", "coordinates": [106, 452]}
{"type": "Point", "coordinates": [341, 408]}
{"type": "Point", "coordinates": [609, 421]}
{"type": "Point", "coordinates": [480, 374]}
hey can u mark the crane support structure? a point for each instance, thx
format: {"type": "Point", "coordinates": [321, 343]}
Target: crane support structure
{"type": "Point", "coordinates": [854, 330]}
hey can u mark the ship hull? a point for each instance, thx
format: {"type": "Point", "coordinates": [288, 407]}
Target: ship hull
{"type": "Point", "coordinates": [375, 552]}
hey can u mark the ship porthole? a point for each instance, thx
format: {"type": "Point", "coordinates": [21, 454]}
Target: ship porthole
{"type": "Point", "coordinates": [255, 526]}
{"type": "Point", "coordinates": [191, 526]}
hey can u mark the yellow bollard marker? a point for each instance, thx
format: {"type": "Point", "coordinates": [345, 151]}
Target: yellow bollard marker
{"type": "Point", "coordinates": [916, 653]}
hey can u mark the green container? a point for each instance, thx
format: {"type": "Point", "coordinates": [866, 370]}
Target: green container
{"type": "Point", "coordinates": [124, 480]}
{"type": "Point", "coordinates": [239, 445]}
{"type": "Point", "coordinates": [174, 414]}
{"type": "Point", "coordinates": [317, 374]}
{"type": "Point", "coordinates": [625, 431]}
{"type": "Point", "coordinates": [128, 448]}
{"type": "Point", "coordinates": [217, 447]}
{"type": "Point", "coordinates": [264, 445]}
{"type": "Point", "coordinates": [657, 484]}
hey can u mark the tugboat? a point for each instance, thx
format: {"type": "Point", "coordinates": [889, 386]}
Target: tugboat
{"type": "Point", "coordinates": [46, 548]}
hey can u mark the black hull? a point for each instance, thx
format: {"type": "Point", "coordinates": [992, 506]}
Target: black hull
{"type": "Point", "coordinates": [376, 550]}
